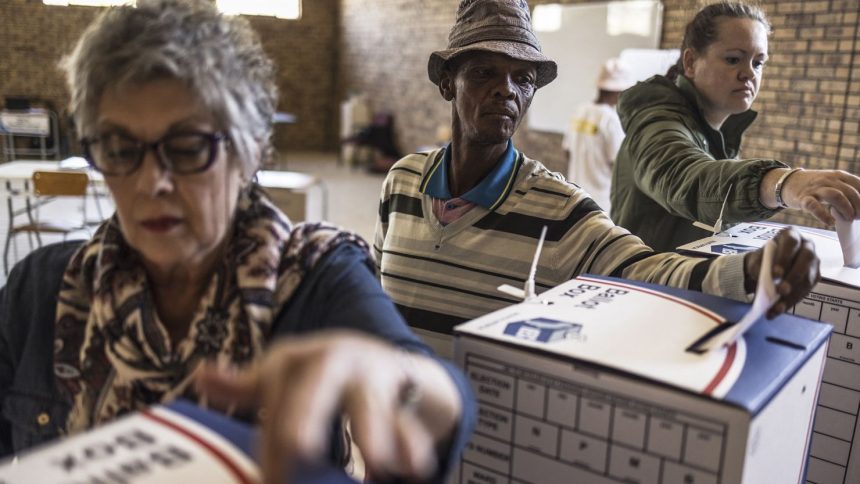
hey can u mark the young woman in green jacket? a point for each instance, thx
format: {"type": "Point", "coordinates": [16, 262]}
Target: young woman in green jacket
{"type": "Point", "coordinates": [679, 162]}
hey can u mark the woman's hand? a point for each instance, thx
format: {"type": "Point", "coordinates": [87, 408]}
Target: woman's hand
{"type": "Point", "coordinates": [795, 266]}
{"type": "Point", "coordinates": [813, 191]}
{"type": "Point", "coordinates": [402, 406]}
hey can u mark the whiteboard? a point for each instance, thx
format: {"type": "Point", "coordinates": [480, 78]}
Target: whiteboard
{"type": "Point", "coordinates": [580, 38]}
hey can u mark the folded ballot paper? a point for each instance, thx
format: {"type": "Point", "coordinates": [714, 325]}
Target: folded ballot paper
{"type": "Point", "coordinates": [835, 452]}
{"type": "Point", "coordinates": [595, 381]}
{"type": "Point", "coordinates": [178, 443]}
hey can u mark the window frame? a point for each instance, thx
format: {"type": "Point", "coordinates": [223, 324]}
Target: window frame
{"type": "Point", "coordinates": [229, 11]}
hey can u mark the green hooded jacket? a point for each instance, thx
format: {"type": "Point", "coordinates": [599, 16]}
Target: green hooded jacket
{"type": "Point", "coordinates": [673, 168]}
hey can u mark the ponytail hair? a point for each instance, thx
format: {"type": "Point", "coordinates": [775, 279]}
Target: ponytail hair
{"type": "Point", "coordinates": [701, 32]}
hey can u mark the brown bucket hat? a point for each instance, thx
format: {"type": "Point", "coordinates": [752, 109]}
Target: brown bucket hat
{"type": "Point", "coordinates": [500, 26]}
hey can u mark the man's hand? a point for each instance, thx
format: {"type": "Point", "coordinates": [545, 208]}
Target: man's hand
{"type": "Point", "coordinates": [795, 267]}
{"type": "Point", "coordinates": [402, 407]}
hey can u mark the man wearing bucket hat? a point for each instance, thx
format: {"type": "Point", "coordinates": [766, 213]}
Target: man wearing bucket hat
{"type": "Point", "coordinates": [457, 222]}
{"type": "Point", "coordinates": [594, 135]}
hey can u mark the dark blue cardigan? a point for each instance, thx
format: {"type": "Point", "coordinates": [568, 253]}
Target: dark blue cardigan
{"type": "Point", "coordinates": [340, 292]}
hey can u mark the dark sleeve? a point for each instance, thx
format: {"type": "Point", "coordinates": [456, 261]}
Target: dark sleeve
{"type": "Point", "coordinates": [27, 310]}
{"type": "Point", "coordinates": [673, 170]}
{"type": "Point", "coordinates": [7, 369]}
{"type": "Point", "coordinates": [342, 292]}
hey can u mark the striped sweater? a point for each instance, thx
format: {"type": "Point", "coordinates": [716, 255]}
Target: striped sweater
{"type": "Point", "coordinates": [440, 276]}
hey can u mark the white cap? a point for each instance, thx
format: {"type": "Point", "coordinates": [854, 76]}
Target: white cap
{"type": "Point", "coordinates": [614, 76]}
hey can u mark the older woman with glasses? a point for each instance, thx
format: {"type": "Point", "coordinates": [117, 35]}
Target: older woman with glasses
{"type": "Point", "coordinates": [174, 102]}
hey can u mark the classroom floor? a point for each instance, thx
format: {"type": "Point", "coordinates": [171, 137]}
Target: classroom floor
{"type": "Point", "coordinates": [353, 198]}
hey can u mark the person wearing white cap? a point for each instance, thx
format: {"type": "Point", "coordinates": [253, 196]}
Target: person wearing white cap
{"type": "Point", "coordinates": [594, 135]}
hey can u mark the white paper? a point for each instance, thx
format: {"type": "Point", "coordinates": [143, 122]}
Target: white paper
{"type": "Point", "coordinates": [765, 297]}
{"type": "Point", "coordinates": [849, 238]}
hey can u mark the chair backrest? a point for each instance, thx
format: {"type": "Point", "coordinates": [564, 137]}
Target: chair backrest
{"type": "Point", "coordinates": [60, 183]}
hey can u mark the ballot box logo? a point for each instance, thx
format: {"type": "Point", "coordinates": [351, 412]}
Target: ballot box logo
{"type": "Point", "coordinates": [728, 249]}
{"type": "Point", "coordinates": [543, 330]}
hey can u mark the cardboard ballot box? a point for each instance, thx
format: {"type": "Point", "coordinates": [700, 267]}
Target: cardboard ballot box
{"type": "Point", "coordinates": [591, 382]}
{"type": "Point", "coordinates": [175, 444]}
{"type": "Point", "coordinates": [835, 452]}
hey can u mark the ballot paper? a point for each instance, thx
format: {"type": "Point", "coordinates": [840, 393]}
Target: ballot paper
{"type": "Point", "coordinates": [848, 232]}
{"type": "Point", "coordinates": [178, 443]}
{"type": "Point", "coordinates": [765, 297]}
{"type": "Point", "coordinates": [156, 446]}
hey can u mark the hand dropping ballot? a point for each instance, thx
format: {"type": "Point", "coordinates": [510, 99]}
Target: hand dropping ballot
{"type": "Point", "coordinates": [591, 381]}
{"type": "Point", "coordinates": [765, 297]}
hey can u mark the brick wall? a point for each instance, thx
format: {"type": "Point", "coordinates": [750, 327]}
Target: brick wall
{"type": "Point", "coordinates": [809, 103]}
{"type": "Point", "coordinates": [33, 37]}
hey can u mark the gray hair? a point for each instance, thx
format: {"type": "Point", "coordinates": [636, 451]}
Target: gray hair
{"type": "Point", "coordinates": [218, 57]}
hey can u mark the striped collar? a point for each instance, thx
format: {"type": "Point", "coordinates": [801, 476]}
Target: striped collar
{"type": "Point", "coordinates": [489, 193]}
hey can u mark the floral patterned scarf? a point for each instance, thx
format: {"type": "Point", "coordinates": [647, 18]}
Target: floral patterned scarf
{"type": "Point", "coordinates": [112, 353]}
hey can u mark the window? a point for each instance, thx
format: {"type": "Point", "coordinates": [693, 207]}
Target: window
{"type": "Point", "coordinates": [90, 3]}
{"type": "Point", "coordinates": [630, 18]}
{"type": "Point", "coordinates": [289, 9]}
{"type": "Point", "coordinates": [547, 18]}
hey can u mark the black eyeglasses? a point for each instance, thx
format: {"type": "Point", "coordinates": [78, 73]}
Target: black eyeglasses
{"type": "Point", "coordinates": [183, 153]}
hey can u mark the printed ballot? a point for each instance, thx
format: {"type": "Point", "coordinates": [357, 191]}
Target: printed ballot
{"type": "Point", "coordinates": [835, 452]}
{"type": "Point", "coordinates": [175, 444]}
{"type": "Point", "coordinates": [593, 382]}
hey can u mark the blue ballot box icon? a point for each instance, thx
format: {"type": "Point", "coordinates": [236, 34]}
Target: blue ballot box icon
{"type": "Point", "coordinates": [728, 249]}
{"type": "Point", "coordinates": [543, 330]}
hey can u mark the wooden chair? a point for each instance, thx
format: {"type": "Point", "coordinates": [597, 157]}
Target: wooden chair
{"type": "Point", "coordinates": [46, 185]}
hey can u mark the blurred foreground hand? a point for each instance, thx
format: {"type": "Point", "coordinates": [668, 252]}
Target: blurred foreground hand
{"type": "Point", "coordinates": [403, 407]}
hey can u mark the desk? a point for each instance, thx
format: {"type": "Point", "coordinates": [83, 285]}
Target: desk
{"type": "Point", "coordinates": [287, 189]}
